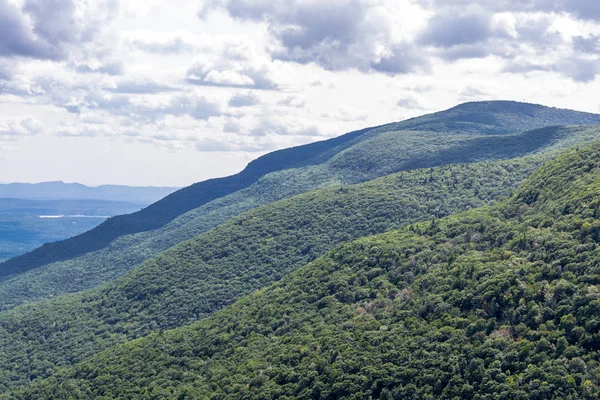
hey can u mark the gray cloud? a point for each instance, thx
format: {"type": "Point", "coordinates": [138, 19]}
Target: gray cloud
{"type": "Point", "coordinates": [447, 29]}
{"type": "Point", "coordinates": [590, 45]}
{"type": "Point", "coordinates": [409, 102]}
{"type": "Point", "coordinates": [16, 38]}
{"type": "Point", "coordinates": [337, 34]}
{"type": "Point", "coordinates": [51, 29]}
{"type": "Point", "coordinates": [580, 9]}
{"type": "Point", "coordinates": [243, 100]}
{"type": "Point", "coordinates": [403, 59]}
{"type": "Point", "coordinates": [577, 68]}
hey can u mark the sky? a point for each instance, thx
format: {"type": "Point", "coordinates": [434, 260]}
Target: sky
{"type": "Point", "coordinates": [151, 92]}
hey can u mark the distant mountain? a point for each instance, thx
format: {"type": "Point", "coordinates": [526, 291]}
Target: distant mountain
{"type": "Point", "coordinates": [498, 302]}
{"type": "Point", "coordinates": [76, 191]}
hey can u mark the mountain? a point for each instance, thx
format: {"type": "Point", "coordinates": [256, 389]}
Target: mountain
{"type": "Point", "coordinates": [77, 191]}
{"type": "Point", "coordinates": [497, 302]}
{"type": "Point", "coordinates": [121, 243]}
{"type": "Point", "coordinates": [200, 276]}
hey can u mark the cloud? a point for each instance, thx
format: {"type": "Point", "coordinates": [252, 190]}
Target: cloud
{"type": "Point", "coordinates": [580, 9]}
{"type": "Point", "coordinates": [472, 93]}
{"type": "Point", "coordinates": [292, 101]}
{"type": "Point", "coordinates": [243, 100]}
{"type": "Point", "coordinates": [197, 107]}
{"type": "Point", "coordinates": [409, 102]}
{"type": "Point", "coordinates": [336, 34]}
{"type": "Point", "coordinates": [52, 29]}
{"type": "Point", "coordinates": [346, 114]}
{"type": "Point", "coordinates": [590, 45]}
{"type": "Point", "coordinates": [577, 68]}
{"type": "Point", "coordinates": [272, 127]}
{"type": "Point", "coordinates": [12, 127]}
{"type": "Point", "coordinates": [111, 68]}
{"type": "Point", "coordinates": [447, 29]}
{"type": "Point", "coordinates": [16, 36]}
{"type": "Point", "coordinates": [235, 64]}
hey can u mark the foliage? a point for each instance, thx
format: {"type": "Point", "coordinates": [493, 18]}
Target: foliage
{"type": "Point", "coordinates": [500, 302]}
{"type": "Point", "coordinates": [360, 157]}
{"type": "Point", "coordinates": [200, 276]}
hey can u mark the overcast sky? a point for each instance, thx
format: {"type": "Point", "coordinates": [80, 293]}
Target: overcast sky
{"type": "Point", "coordinates": [150, 92]}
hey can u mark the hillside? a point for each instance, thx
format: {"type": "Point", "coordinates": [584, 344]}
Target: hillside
{"type": "Point", "coordinates": [461, 121]}
{"type": "Point", "coordinates": [76, 191]}
{"type": "Point", "coordinates": [498, 302]}
{"type": "Point", "coordinates": [200, 276]}
{"type": "Point", "coordinates": [371, 157]}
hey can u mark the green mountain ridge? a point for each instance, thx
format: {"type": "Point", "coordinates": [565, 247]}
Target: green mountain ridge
{"type": "Point", "coordinates": [499, 117]}
{"type": "Point", "coordinates": [200, 276]}
{"type": "Point", "coordinates": [497, 302]}
{"type": "Point", "coordinates": [256, 228]}
{"type": "Point", "coordinates": [379, 154]}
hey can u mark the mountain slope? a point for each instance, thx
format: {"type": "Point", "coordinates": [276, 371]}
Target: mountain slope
{"type": "Point", "coordinates": [200, 276]}
{"type": "Point", "coordinates": [499, 302]}
{"type": "Point", "coordinates": [377, 155]}
{"type": "Point", "coordinates": [173, 205]}
{"type": "Point", "coordinates": [483, 118]}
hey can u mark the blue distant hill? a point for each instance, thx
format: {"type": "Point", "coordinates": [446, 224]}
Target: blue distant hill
{"type": "Point", "coordinates": [75, 191]}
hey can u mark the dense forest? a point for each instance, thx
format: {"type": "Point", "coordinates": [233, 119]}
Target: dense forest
{"type": "Point", "coordinates": [200, 276]}
{"type": "Point", "coordinates": [497, 302]}
{"type": "Point", "coordinates": [362, 157]}
{"type": "Point", "coordinates": [453, 255]}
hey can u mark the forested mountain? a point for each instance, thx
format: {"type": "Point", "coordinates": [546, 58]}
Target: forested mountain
{"type": "Point", "coordinates": [498, 302]}
{"type": "Point", "coordinates": [482, 118]}
{"type": "Point", "coordinates": [70, 266]}
{"type": "Point", "coordinates": [202, 248]}
{"type": "Point", "coordinates": [200, 276]}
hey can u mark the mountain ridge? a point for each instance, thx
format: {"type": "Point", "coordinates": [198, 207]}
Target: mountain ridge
{"type": "Point", "coordinates": [162, 212]}
{"type": "Point", "coordinates": [497, 301]}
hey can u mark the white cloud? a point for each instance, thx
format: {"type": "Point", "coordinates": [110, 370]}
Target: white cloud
{"type": "Point", "coordinates": [250, 76]}
{"type": "Point", "coordinates": [13, 127]}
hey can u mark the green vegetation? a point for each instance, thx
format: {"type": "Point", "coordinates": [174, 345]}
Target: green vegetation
{"type": "Point", "coordinates": [368, 156]}
{"type": "Point", "coordinates": [200, 276]}
{"type": "Point", "coordinates": [498, 302]}
{"type": "Point", "coordinates": [463, 122]}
